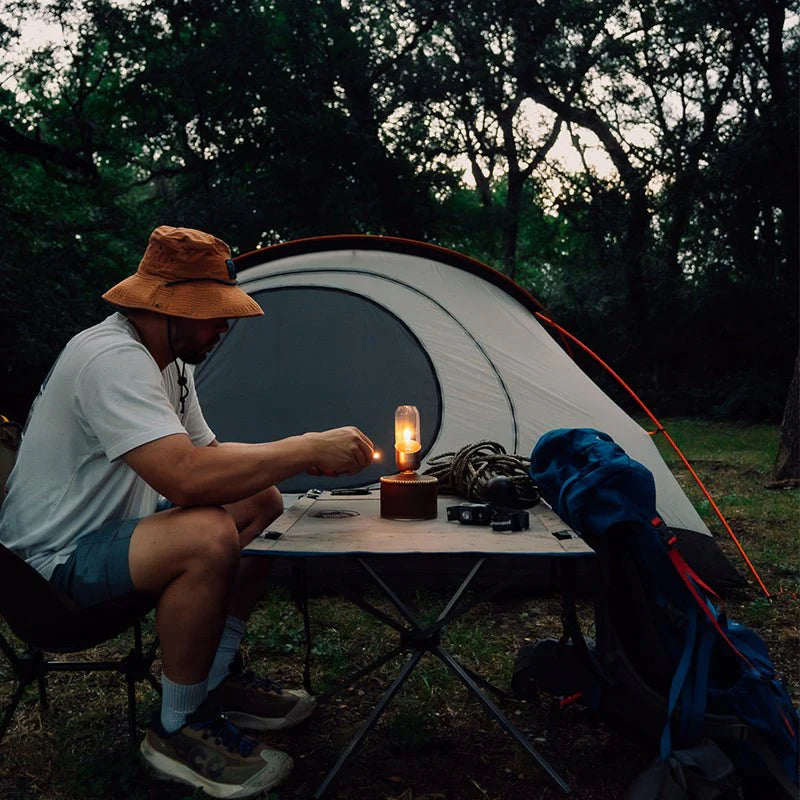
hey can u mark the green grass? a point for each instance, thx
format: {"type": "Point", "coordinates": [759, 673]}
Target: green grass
{"type": "Point", "coordinates": [734, 462]}
{"type": "Point", "coordinates": [737, 445]}
{"type": "Point", "coordinates": [435, 741]}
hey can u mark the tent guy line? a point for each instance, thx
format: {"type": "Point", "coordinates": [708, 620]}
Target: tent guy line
{"type": "Point", "coordinates": [661, 429]}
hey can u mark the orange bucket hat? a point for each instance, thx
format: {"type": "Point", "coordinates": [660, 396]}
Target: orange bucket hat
{"type": "Point", "coordinates": [185, 273]}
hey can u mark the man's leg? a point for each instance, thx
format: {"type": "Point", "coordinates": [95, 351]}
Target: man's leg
{"type": "Point", "coordinates": [251, 516]}
{"type": "Point", "coordinates": [191, 557]}
{"type": "Point", "coordinates": [246, 698]}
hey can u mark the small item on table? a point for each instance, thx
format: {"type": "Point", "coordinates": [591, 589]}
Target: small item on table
{"type": "Point", "coordinates": [499, 512]}
{"type": "Point", "coordinates": [502, 520]}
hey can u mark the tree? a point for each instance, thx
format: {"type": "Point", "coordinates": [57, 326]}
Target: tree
{"type": "Point", "coordinates": [289, 118]}
{"type": "Point", "coordinates": [71, 223]}
{"type": "Point", "coordinates": [786, 470]}
{"type": "Point", "coordinates": [479, 112]}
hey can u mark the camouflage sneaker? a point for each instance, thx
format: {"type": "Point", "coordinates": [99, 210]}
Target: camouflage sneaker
{"type": "Point", "coordinates": [260, 704]}
{"type": "Point", "coordinates": [214, 756]}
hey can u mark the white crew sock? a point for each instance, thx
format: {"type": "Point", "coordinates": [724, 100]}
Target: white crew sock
{"type": "Point", "coordinates": [228, 647]}
{"type": "Point", "coordinates": [178, 700]}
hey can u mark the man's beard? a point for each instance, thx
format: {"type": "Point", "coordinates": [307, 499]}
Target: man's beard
{"type": "Point", "coordinates": [193, 358]}
{"type": "Point", "coordinates": [196, 355]}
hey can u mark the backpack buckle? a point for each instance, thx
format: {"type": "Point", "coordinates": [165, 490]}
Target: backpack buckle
{"type": "Point", "coordinates": [667, 536]}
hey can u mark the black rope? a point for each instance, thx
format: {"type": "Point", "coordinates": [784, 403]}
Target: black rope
{"type": "Point", "coordinates": [467, 472]}
{"type": "Point", "coordinates": [181, 371]}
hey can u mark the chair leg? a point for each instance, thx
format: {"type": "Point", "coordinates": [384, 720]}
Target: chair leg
{"type": "Point", "coordinates": [12, 707]}
{"type": "Point", "coordinates": [155, 685]}
{"type": "Point", "coordinates": [43, 692]}
{"type": "Point", "coordinates": [32, 665]}
{"type": "Point", "coordinates": [136, 667]}
{"type": "Point", "coordinates": [132, 710]}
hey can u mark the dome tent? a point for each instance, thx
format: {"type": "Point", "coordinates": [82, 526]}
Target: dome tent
{"type": "Point", "coordinates": [356, 325]}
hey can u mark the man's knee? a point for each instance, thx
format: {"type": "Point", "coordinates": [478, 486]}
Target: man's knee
{"type": "Point", "coordinates": [200, 541]}
{"type": "Point", "coordinates": [215, 541]}
{"type": "Point", "coordinates": [272, 504]}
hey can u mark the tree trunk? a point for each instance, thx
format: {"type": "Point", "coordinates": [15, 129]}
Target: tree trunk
{"type": "Point", "coordinates": [516, 182]}
{"type": "Point", "coordinates": [399, 204]}
{"type": "Point", "coordinates": [511, 223]}
{"type": "Point", "coordinates": [786, 471]}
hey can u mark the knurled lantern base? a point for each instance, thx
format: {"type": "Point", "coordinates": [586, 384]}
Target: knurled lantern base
{"type": "Point", "coordinates": [408, 495]}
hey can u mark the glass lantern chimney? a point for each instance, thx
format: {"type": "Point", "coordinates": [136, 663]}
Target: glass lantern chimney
{"type": "Point", "coordinates": [407, 440]}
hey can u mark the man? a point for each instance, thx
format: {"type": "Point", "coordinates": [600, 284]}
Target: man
{"type": "Point", "coordinates": [116, 424]}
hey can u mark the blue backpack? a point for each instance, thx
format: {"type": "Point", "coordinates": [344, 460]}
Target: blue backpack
{"type": "Point", "coordinates": [712, 676]}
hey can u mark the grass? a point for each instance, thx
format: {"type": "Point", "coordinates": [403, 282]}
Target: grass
{"type": "Point", "coordinates": [434, 742]}
{"type": "Point", "coordinates": [734, 462]}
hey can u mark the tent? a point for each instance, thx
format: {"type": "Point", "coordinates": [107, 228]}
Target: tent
{"type": "Point", "coordinates": [356, 325]}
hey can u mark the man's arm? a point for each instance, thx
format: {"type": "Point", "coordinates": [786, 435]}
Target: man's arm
{"type": "Point", "coordinates": [188, 475]}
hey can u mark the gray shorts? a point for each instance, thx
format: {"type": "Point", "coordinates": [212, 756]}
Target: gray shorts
{"type": "Point", "coordinates": [98, 569]}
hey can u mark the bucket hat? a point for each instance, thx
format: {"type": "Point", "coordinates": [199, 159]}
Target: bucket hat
{"type": "Point", "coordinates": [185, 273]}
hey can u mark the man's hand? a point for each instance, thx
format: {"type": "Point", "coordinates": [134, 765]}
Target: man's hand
{"type": "Point", "coordinates": [339, 451]}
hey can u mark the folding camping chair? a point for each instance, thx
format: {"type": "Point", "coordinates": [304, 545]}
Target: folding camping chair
{"type": "Point", "coordinates": [48, 621]}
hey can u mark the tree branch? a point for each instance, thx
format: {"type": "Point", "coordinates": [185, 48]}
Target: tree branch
{"type": "Point", "coordinates": [13, 141]}
{"type": "Point", "coordinates": [541, 152]}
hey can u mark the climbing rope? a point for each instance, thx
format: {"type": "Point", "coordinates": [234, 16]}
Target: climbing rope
{"type": "Point", "coordinates": [466, 472]}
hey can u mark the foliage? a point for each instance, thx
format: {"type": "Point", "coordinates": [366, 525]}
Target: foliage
{"type": "Point", "coordinates": [435, 120]}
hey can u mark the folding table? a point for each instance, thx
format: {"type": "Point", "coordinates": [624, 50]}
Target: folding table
{"type": "Point", "coordinates": [325, 524]}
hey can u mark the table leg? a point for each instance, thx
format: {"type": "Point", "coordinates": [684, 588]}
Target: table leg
{"type": "Point", "coordinates": [505, 723]}
{"type": "Point", "coordinates": [371, 610]}
{"type": "Point", "coordinates": [351, 679]}
{"type": "Point", "coordinates": [370, 723]}
{"type": "Point", "coordinates": [420, 639]}
{"type": "Point", "coordinates": [301, 601]}
{"type": "Point", "coordinates": [390, 593]}
{"type": "Point", "coordinates": [481, 681]}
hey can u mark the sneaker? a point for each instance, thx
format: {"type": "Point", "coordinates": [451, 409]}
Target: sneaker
{"type": "Point", "coordinates": [259, 703]}
{"type": "Point", "coordinates": [214, 756]}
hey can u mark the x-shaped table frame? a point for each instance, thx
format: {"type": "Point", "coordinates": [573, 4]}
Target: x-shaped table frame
{"type": "Point", "coordinates": [418, 639]}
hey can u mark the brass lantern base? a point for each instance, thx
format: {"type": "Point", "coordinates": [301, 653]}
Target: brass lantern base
{"type": "Point", "coordinates": [408, 495]}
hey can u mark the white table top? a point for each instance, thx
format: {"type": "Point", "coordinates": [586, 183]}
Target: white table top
{"type": "Point", "coordinates": [351, 525]}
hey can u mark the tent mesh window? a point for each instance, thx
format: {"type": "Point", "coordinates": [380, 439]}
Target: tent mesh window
{"type": "Point", "coordinates": [319, 358]}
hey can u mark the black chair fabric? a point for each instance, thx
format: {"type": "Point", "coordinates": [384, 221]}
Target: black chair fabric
{"type": "Point", "coordinates": [48, 621]}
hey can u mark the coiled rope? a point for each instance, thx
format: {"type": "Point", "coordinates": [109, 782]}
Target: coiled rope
{"type": "Point", "coordinates": [466, 472]}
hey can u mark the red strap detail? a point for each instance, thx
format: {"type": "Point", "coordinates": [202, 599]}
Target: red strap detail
{"type": "Point", "coordinates": [786, 723]}
{"type": "Point", "coordinates": [656, 522]}
{"type": "Point", "coordinates": [672, 541]}
{"type": "Point", "coordinates": [684, 571]}
{"type": "Point", "coordinates": [697, 579]}
{"type": "Point", "coordinates": [569, 700]}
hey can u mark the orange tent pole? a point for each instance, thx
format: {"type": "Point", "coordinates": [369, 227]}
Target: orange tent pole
{"type": "Point", "coordinates": [661, 429]}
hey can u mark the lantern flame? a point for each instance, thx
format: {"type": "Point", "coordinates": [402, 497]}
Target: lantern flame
{"type": "Point", "coordinates": [407, 439]}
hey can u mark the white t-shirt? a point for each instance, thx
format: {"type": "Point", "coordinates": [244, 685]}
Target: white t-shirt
{"type": "Point", "coordinates": [104, 396]}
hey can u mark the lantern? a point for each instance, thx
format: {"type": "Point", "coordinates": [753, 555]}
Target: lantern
{"type": "Point", "coordinates": [408, 495]}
